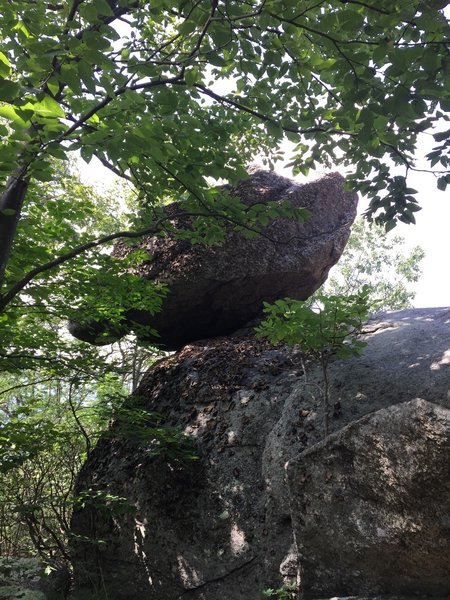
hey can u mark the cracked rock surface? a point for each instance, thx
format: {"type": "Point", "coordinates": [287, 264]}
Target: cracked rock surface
{"type": "Point", "coordinates": [221, 526]}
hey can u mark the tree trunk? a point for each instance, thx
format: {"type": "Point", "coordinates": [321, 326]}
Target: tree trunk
{"type": "Point", "coordinates": [11, 202]}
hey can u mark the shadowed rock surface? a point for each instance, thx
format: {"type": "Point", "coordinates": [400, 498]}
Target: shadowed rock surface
{"type": "Point", "coordinates": [221, 526]}
{"type": "Point", "coordinates": [216, 290]}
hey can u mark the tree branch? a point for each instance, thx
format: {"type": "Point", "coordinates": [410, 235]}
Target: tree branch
{"type": "Point", "coordinates": [80, 425]}
{"type": "Point", "coordinates": [117, 171]}
{"type": "Point", "coordinates": [204, 31]}
{"type": "Point", "coordinates": [330, 38]}
{"type": "Point", "coordinates": [22, 385]}
{"type": "Point", "coordinates": [7, 297]}
{"type": "Point", "coordinates": [108, 99]}
{"type": "Point", "coordinates": [368, 6]}
{"type": "Point", "coordinates": [11, 202]}
{"type": "Point", "coordinates": [261, 116]}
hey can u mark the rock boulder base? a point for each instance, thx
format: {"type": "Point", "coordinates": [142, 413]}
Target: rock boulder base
{"type": "Point", "coordinates": [221, 526]}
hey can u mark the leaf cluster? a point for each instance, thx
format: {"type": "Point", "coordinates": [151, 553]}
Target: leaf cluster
{"type": "Point", "coordinates": [285, 592]}
{"type": "Point", "coordinates": [195, 89]}
{"type": "Point", "coordinates": [58, 216]}
{"type": "Point", "coordinates": [323, 326]}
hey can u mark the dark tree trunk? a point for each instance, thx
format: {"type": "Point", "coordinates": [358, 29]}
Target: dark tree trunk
{"type": "Point", "coordinates": [11, 202]}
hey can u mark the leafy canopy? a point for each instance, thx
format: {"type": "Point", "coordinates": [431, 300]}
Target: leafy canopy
{"type": "Point", "coordinates": [170, 93]}
{"type": "Point", "coordinates": [379, 261]}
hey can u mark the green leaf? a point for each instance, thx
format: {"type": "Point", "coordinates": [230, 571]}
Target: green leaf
{"type": "Point", "coordinates": [389, 226]}
{"type": "Point", "coordinates": [86, 75]}
{"type": "Point", "coordinates": [89, 12]}
{"type": "Point", "coordinates": [191, 76]}
{"type": "Point", "coordinates": [9, 90]}
{"type": "Point", "coordinates": [47, 107]}
{"type": "Point", "coordinates": [103, 8]}
{"type": "Point", "coordinates": [57, 152]}
{"type": "Point", "coordinates": [95, 41]}
{"type": "Point", "coordinates": [352, 19]}
{"type": "Point", "coordinates": [442, 183]}
{"type": "Point", "coordinates": [53, 86]}
{"type": "Point", "coordinates": [216, 60]}
{"type": "Point", "coordinates": [5, 67]}
{"type": "Point", "coordinates": [220, 35]}
{"type": "Point", "coordinates": [274, 130]}
{"type": "Point", "coordinates": [86, 153]}
{"type": "Point", "coordinates": [381, 121]}
{"type": "Point", "coordinates": [187, 27]}
{"type": "Point", "coordinates": [70, 76]}
{"type": "Point", "coordinates": [10, 113]}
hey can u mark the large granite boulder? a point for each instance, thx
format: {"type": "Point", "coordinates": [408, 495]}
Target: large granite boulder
{"type": "Point", "coordinates": [371, 505]}
{"type": "Point", "coordinates": [216, 290]}
{"type": "Point", "coordinates": [166, 527]}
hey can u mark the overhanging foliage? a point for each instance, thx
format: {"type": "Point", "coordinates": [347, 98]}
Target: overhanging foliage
{"type": "Point", "coordinates": [168, 93]}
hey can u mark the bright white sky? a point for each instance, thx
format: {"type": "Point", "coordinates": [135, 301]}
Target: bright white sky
{"type": "Point", "coordinates": [431, 232]}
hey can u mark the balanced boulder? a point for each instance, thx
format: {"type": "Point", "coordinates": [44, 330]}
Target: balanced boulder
{"type": "Point", "coordinates": [215, 290]}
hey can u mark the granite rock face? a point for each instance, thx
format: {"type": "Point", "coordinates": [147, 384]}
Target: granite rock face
{"type": "Point", "coordinates": [222, 526]}
{"type": "Point", "coordinates": [371, 505]}
{"type": "Point", "coordinates": [216, 290]}
{"type": "Point", "coordinates": [200, 526]}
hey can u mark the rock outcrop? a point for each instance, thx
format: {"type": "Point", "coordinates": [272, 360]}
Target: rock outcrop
{"type": "Point", "coordinates": [223, 526]}
{"type": "Point", "coordinates": [216, 290]}
{"type": "Point", "coordinates": [371, 505]}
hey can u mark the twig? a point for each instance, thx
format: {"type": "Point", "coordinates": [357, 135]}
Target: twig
{"type": "Point", "coordinates": [22, 385]}
{"type": "Point", "coordinates": [78, 422]}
